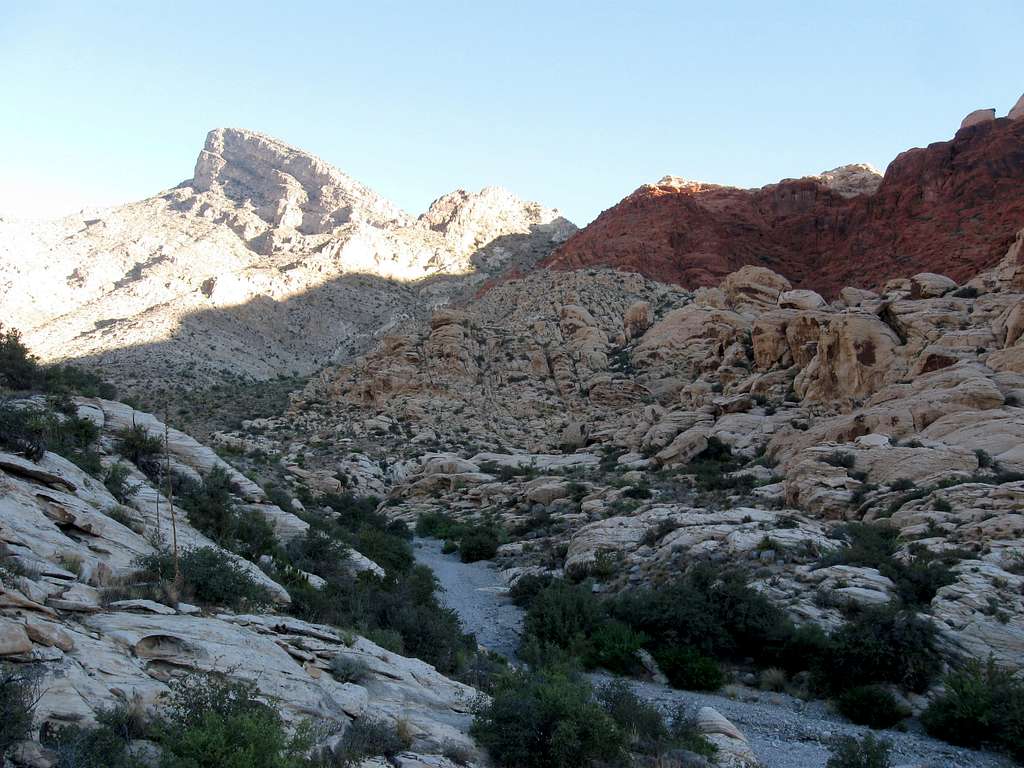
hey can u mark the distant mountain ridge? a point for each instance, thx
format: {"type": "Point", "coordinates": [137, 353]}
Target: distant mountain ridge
{"type": "Point", "coordinates": [268, 261]}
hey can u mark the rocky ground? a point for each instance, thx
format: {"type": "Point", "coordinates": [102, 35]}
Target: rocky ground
{"type": "Point", "coordinates": [478, 594]}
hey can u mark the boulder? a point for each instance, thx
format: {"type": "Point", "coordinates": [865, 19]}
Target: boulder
{"type": "Point", "coordinates": [928, 285]}
{"type": "Point", "coordinates": [855, 354]}
{"type": "Point", "coordinates": [14, 638]}
{"type": "Point", "coordinates": [801, 299]}
{"type": "Point", "coordinates": [854, 297]}
{"type": "Point", "coordinates": [754, 288]}
{"type": "Point", "coordinates": [977, 117]}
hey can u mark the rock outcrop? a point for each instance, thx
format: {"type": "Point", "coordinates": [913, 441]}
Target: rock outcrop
{"type": "Point", "coordinates": [952, 207]}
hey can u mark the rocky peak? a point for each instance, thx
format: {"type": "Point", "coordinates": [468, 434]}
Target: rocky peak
{"type": "Point", "coordinates": [852, 180]}
{"type": "Point", "coordinates": [286, 186]}
{"type": "Point", "coordinates": [470, 221]}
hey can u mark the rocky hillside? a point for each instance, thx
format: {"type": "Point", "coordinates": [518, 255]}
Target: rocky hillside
{"type": "Point", "coordinates": [597, 415]}
{"type": "Point", "coordinates": [87, 613]}
{"type": "Point", "coordinates": [952, 207]}
{"type": "Point", "coordinates": [268, 261]}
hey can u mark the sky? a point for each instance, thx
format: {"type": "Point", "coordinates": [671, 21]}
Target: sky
{"type": "Point", "coordinates": [573, 104]}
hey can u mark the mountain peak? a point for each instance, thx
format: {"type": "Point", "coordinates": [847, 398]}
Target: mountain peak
{"type": "Point", "coordinates": [287, 186]}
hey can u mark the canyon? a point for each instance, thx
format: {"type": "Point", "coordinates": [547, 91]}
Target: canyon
{"type": "Point", "coordinates": [703, 377]}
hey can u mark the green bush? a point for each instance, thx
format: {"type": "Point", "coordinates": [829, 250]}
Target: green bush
{"type": "Point", "coordinates": [546, 719]}
{"type": "Point", "coordinates": [213, 722]}
{"type": "Point", "coordinates": [527, 587]}
{"type": "Point", "coordinates": [710, 610]}
{"type": "Point", "coordinates": [688, 669]}
{"type": "Point", "coordinates": [613, 645]}
{"type": "Point", "coordinates": [563, 614]}
{"type": "Point", "coordinates": [141, 449]}
{"type": "Point", "coordinates": [869, 752]}
{"type": "Point", "coordinates": [209, 577]}
{"type": "Point", "coordinates": [19, 693]}
{"type": "Point", "coordinates": [31, 431]}
{"type": "Point", "coordinates": [841, 459]}
{"type": "Point", "coordinates": [19, 368]}
{"type": "Point", "coordinates": [209, 504]}
{"type": "Point", "coordinates": [981, 704]}
{"type": "Point", "coordinates": [871, 705]}
{"type": "Point", "coordinates": [115, 479]}
{"type": "Point", "coordinates": [880, 645]}
{"type": "Point", "coordinates": [78, 747]}
{"type": "Point", "coordinates": [478, 544]}
{"type": "Point", "coordinates": [644, 725]}
{"type": "Point", "coordinates": [917, 578]}
{"type": "Point", "coordinates": [366, 737]}
{"type": "Point", "coordinates": [349, 669]}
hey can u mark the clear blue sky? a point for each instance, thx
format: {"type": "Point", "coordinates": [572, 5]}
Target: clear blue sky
{"type": "Point", "coordinates": [572, 104]}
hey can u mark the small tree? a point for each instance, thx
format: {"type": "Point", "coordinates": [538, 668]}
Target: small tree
{"type": "Point", "coordinates": [19, 368]}
{"type": "Point", "coordinates": [18, 696]}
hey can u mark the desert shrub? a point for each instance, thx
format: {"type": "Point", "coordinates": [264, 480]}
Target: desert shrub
{"type": "Point", "coordinates": [69, 379]}
{"type": "Point", "coordinates": [527, 587]}
{"type": "Point", "coordinates": [841, 459]}
{"type": "Point", "coordinates": [400, 612]}
{"type": "Point", "coordinates": [613, 645]}
{"type": "Point", "coordinates": [871, 705]}
{"type": "Point", "coordinates": [869, 752]}
{"type": "Point", "coordinates": [31, 431]}
{"type": "Point", "coordinates": [641, 490]}
{"type": "Point", "coordinates": [209, 576]}
{"type": "Point", "coordinates": [656, 533]}
{"type": "Point", "coordinates": [317, 552]}
{"type": "Point", "coordinates": [440, 525]}
{"type": "Point", "coordinates": [981, 704]}
{"type": "Point", "coordinates": [77, 747]}
{"type": "Point", "coordinates": [349, 669]}
{"type": "Point", "coordinates": [116, 481]}
{"type": "Point", "coordinates": [367, 737]}
{"type": "Point", "coordinates": [211, 509]}
{"type": "Point", "coordinates": [563, 611]}
{"type": "Point", "coordinates": [21, 433]}
{"type": "Point", "coordinates": [279, 496]}
{"type": "Point", "coordinates": [478, 544]}
{"type": "Point", "coordinates": [209, 504]}
{"type": "Point", "coordinates": [546, 719]}
{"type": "Point", "coordinates": [902, 484]}
{"type": "Point", "coordinates": [712, 467]}
{"type": "Point", "coordinates": [141, 449]}
{"type": "Point", "coordinates": [213, 722]}
{"type": "Point", "coordinates": [710, 610]}
{"type": "Point", "coordinates": [917, 578]}
{"type": "Point", "coordinates": [984, 458]}
{"type": "Point", "coordinates": [880, 645]}
{"type": "Point", "coordinates": [773, 679]}
{"type": "Point", "coordinates": [640, 720]}
{"type": "Point", "coordinates": [19, 693]}
{"type": "Point", "coordinates": [688, 669]}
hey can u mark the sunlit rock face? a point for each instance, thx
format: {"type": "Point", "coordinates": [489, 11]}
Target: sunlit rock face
{"type": "Point", "coordinates": [268, 261]}
{"type": "Point", "coordinates": [951, 207]}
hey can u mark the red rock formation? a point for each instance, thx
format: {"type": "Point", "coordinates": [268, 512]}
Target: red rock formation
{"type": "Point", "coordinates": [952, 207]}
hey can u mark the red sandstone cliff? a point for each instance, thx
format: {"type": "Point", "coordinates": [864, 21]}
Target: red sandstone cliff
{"type": "Point", "coordinates": [952, 207]}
